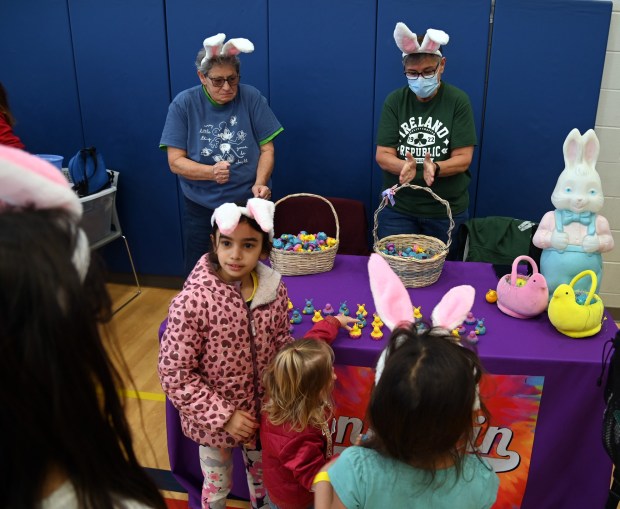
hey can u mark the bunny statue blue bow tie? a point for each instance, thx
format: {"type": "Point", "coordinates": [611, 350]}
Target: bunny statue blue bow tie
{"type": "Point", "coordinates": [579, 217]}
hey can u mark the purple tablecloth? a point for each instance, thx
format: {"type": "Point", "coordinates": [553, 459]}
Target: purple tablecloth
{"type": "Point", "coordinates": [569, 467]}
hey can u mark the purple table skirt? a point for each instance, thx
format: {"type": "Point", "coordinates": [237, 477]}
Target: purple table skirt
{"type": "Point", "coordinates": [569, 467]}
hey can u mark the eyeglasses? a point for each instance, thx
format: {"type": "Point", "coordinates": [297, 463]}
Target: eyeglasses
{"type": "Point", "coordinates": [219, 82]}
{"type": "Point", "coordinates": [414, 75]}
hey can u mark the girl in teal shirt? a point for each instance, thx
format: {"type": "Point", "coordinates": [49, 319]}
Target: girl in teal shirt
{"type": "Point", "coordinates": [422, 416]}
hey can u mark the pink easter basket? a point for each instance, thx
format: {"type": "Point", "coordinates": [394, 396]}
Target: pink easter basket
{"type": "Point", "coordinates": [522, 296]}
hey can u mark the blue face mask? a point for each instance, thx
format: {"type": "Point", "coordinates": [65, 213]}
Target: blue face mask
{"type": "Point", "coordinates": [423, 87]}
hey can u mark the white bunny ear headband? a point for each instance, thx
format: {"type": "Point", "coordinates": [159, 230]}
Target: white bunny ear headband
{"type": "Point", "coordinates": [227, 215]}
{"type": "Point", "coordinates": [215, 46]}
{"type": "Point", "coordinates": [28, 181]}
{"type": "Point", "coordinates": [394, 305]}
{"type": "Point", "coordinates": [407, 41]}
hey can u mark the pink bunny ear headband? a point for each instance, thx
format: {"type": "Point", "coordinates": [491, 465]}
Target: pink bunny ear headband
{"type": "Point", "coordinates": [215, 46]}
{"type": "Point", "coordinates": [407, 41]}
{"type": "Point", "coordinates": [394, 305]}
{"type": "Point", "coordinates": [28, 181]}
{"type": "Point", "coordinates": [227, 215]}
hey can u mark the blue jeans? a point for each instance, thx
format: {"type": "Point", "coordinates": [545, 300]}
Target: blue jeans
{"type": "Point", "coordinates": [395, 223]}
{"type": "Point", "coordinates": [196, 233]}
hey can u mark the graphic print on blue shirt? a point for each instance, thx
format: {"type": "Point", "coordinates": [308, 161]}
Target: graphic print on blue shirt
{"type": "Point", "coordinates": [224, 143]}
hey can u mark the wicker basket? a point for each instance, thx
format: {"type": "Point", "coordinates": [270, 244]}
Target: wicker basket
{"type": "Point", "coordinates": [414, 272]}
{"type": "Point", "coordinates": [300, 263]}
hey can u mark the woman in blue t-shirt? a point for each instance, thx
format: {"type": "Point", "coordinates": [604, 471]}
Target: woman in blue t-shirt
{"type": "Point", "coordinates": [219, 139]}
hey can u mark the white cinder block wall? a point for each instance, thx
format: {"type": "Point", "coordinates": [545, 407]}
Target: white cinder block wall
{"type": "Point", "coordinates": [608, 131]}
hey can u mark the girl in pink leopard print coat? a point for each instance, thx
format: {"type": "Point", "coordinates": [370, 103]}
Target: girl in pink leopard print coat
{"type": "Point", "coordinates": [224, 328]}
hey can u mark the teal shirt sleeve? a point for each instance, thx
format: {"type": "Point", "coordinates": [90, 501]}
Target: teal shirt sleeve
{"type": "Point", "coordinates": [345, 476]}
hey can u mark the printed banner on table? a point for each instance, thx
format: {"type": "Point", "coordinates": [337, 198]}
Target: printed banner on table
{"type": "Point", "coordinates": [506, 442]}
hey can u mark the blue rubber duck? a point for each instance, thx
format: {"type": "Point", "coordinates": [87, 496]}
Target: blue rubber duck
{"type": "Point", "coordinates": [296, 316]}
{"type": "Point", "coordinates": [308, 308]}
{"type": "Point", "coordinates": [361, 321]}
{"type": "Point", "coordinates": [480, 327]}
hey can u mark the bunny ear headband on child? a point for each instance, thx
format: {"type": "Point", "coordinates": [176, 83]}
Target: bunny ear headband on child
{"type": "Point", "coordinates": [407, 41]}
{"type": "Point", "coordinates": [394, 305]}
{"type": "Point", "coordinates": [28, 181]}
{"type": "Point", "coordinates": [227, 215]}
{"type": "Point", "coordinates": [214, 46]}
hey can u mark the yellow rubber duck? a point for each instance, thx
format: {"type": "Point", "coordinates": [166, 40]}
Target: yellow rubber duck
{"type": "Point", "coordinates": [376, 333]}
{"type": "Point", "coordinates": [417, 313]}
{"type": "Point", "coordinates": [290, 304]}
{"type": "Point", "coordinates": [376, 321]}
{"type": "Point", "coordinates": [317, 316]}
{"type": "Point", "coordinates": [355, 331]}
{"type": "Point", "coordinates": [491, 296]}
{"type": "Point", "coordinates": [361, 308]}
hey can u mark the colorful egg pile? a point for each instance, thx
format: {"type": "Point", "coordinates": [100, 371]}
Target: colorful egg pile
{"type": "Point", "coordinates": [304, 241]}
{"type": "Point", "coordinates": [414, 251]}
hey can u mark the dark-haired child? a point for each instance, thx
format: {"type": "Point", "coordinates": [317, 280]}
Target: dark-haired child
{"type": "Point", "coordinates": [421, 451]}
{"type": "Point", "coordinates": [66, 440]}
{"type": "Point", "coordinates": [422, 418]}
{"type": "Point", "coordinates": [224, 328]}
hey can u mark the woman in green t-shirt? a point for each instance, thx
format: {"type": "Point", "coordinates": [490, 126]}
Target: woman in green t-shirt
{"type": "Point", "coordinates": [426, 137]}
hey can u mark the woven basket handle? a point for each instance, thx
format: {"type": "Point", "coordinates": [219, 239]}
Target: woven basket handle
{"type": "Point", "coordinates": [592, 286]}
{"type": "Point", "coordinates": [515, 264]}
{"type": "Point", "coordinates": [320, 198]}
{"type": "Point", "coordinates": [395, 190]}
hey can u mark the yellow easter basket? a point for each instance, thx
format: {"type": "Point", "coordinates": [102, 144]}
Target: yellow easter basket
{"type": "Point", "coordinates": [574, 318]}
{"type": "Point", "coordinates": [414, 272]}
{"type": "Point", "coordinates": [300, 263]}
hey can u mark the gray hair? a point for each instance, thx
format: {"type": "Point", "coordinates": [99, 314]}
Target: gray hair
{"type": "Point", "coordinates": [215, 60]}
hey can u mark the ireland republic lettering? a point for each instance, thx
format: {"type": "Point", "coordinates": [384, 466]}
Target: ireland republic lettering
{"type": "Point", "coordinates": [419, 136]}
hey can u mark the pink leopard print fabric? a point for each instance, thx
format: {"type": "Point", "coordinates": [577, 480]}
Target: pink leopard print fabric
{"type": "Point", "coordinates": [205, 359]}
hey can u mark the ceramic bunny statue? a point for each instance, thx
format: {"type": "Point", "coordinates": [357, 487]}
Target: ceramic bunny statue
{"type": "Point", "coordinates": [394, 305]}
{"type": "Point", "coordinates": [574, 235]}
